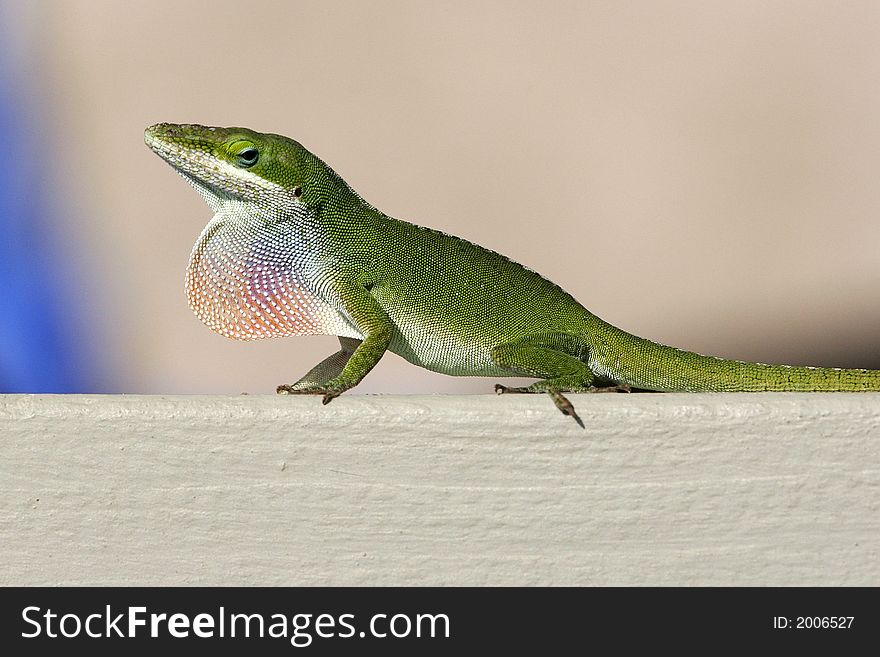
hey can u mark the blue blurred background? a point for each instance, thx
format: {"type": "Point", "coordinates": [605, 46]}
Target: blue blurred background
{"type": "Point", "coordinates": [702, 173]}
{"type": "Point", "coordinates": [43, 347]}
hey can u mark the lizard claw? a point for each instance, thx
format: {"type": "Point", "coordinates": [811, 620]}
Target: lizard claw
{"type": "Point", "coordinates": [565, 406]}
{"type": "Point", "coordinates": [620, 387]}
{"type": "Point", "coordinates": [329, 393]}
{"type": "Point", "coordinates": [573, 415]}
{"type": "Point", "coordinates": [501, 390]}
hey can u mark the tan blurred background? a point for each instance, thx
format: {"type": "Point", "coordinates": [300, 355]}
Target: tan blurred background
{"type": "Point", "coordinates": [699, 173]}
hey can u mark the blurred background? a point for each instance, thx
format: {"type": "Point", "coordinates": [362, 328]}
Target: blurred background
{"type": "Point", "coordinates": [699, 173]}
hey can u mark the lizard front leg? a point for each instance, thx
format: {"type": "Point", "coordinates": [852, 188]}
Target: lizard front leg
{"type": "Point", "coordinates": [317, 378]}
{"type": "Point", "coordinates": [346, 368]}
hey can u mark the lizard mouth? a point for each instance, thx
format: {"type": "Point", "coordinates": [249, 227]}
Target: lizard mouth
{"type": "Point", "coordinates": [155, 143]}
{"type": "Point", "coordinates": [177, 153]}
{"type": "Point", "coordinates": [180, 151]}
{"type": "Point", "coordinates": [191, 159]}
{"type": "Point", "coordinates": [197, 153]}
{"type": "Point", "coordinates": [160, 140]}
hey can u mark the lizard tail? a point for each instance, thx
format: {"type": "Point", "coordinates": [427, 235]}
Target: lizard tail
{"type": "Point", "coordinates": [647, 365]}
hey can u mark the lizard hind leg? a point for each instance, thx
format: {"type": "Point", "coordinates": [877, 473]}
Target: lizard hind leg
{"type": "Point", "coordinates": [556, 360]}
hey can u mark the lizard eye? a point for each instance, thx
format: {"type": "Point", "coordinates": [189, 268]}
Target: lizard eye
{"type": "Point", "coordinates": [248, 157]}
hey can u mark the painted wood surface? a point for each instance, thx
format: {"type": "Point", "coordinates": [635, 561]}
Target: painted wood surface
{"type": "Point", "coordinates": [436, 490]}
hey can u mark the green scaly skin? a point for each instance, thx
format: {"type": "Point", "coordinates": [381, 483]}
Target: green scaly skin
{"type": "Point", "coordinates": [440, 302]}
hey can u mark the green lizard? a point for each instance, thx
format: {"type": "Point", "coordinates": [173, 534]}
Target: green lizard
{"type": "Point", "coordinates": [293, 250]}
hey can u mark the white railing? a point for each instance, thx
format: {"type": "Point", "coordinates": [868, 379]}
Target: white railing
{"type": "Point", "coordinates": [659, 489]}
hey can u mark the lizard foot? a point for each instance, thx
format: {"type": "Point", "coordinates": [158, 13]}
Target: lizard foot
{"type": "Point", "coordinates": [620, 387]}
{"type": "Point", "coordinates": [329, 393]}
{"type": "Point", "coordinates": [558, 398]}
{"type": "Point", "coordinates": [501, 390]}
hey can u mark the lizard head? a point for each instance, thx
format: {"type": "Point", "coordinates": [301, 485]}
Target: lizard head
{"type": "Point", "coordinates": [239, 164]}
